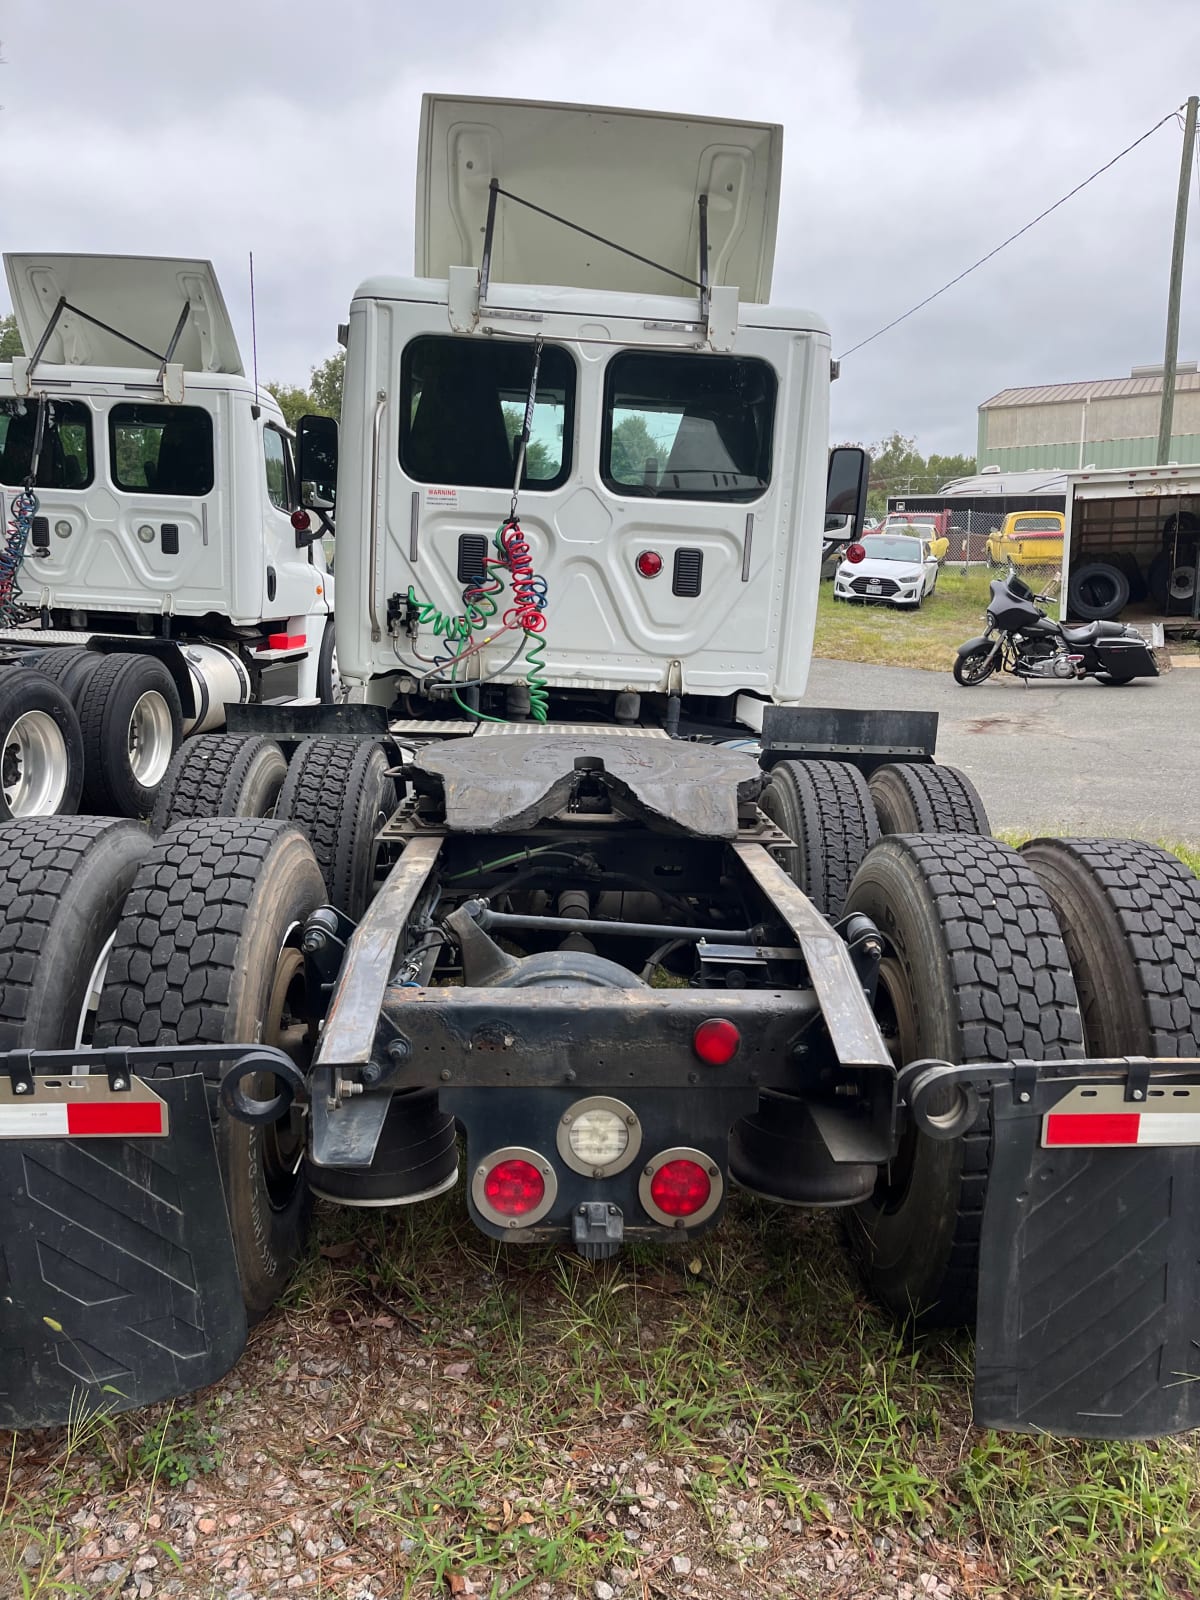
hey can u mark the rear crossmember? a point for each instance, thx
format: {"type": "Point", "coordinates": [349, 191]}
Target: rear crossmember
{"type": "Point", "coordinates": [1089, 1281]}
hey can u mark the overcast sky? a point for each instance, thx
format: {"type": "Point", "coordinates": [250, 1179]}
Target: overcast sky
{"type": "Point", "coordinates": [919, 133]}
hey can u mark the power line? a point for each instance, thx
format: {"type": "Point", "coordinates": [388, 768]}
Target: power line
{"type": "Point", "coordinates": [1012, 236]}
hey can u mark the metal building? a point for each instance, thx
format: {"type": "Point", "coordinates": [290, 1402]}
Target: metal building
{"type": "Point", "coordinates": [1110, 422]}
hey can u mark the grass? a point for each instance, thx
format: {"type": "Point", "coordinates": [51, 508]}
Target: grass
{"type": "Point", "coordinates": [495, 1436]}
{"type": "Point", "coordinates": [887, 637]}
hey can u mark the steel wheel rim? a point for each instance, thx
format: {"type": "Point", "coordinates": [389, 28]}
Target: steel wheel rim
{"type": "Point", "coordinates": [898, 1025]}
{"type": "Point", "coordinates": [977, 666]}
{"type": "Point", "coordinates": [34, 766]}
{"type": "Point", "coordinates": [151, 738]}
{"type": "Point", "coordinates": [91, 1003]}
{"type": "Point", "coordinates": [282, 1142]}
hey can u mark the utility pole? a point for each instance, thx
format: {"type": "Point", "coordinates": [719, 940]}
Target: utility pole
{"type": "Point", "coordinates": [1171, 354]}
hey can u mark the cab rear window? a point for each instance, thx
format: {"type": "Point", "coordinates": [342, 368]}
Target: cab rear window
{"type": "Point", "coordinates": [161, 449]}
{"type": "Point", "coordinates": [65, 461]}
{"type": "Point", "coordinates": [464, 407]}
{"type": "Point", "coordinates": [1043, 524]}
{"type": "Point", "coordinates": [687, 427]}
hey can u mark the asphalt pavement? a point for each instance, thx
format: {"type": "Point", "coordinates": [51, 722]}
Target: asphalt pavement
{"type": "Point", "coordinates": [1072, 758]}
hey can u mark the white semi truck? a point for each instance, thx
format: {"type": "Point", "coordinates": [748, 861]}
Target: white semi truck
{"type": "Point", "coordinates": [581, 509]}
{"type": "Point", "coordinates": [155, 564]}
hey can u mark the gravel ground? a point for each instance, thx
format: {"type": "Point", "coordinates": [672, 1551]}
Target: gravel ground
{"type": "Point", "coordinates": [550, 1429]}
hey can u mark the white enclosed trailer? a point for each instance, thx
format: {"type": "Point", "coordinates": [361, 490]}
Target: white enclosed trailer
{"type": "Point", "coordinates": [1132, 540]}
{"type": "Point", "coordinates": [163, 484]}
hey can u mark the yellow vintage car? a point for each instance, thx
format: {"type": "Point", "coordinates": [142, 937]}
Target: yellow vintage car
{"type": "Point", "coordinates": [1028, 539]}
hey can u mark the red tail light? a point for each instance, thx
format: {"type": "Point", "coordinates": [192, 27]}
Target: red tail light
{"type": "Point", "coordinates": [716, 1041]}
{"type": "Point", "coordinates": [649, 563]}
{"type": "Point", "coordinates": [514, 1188]}
{"type": "Point", "coordinates": [856, 553]}
{"type": "Point", "coordinates": [680, 1188]}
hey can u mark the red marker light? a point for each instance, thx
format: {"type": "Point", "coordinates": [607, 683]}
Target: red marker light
{"type": "Point", "coordinates": [856, 553]}
{"type": "Point", "coordinates": [649, 563]}
{"type": "Point", "coordinates": [514, 1188]}
{"type": "Point", "coordinates": [716, 1041]}
{"type": "Point", "coordinates": [301, 521]}
{"type": "Point", "coordinates": [680, 1188]}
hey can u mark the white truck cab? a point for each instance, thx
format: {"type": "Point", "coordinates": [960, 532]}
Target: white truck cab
{"type": "Point", "coordinates": [673, 497]}
{"type": "Point", "coordinates": [165, 479]}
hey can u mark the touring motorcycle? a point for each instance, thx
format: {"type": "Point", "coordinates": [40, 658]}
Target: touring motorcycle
{"type": "Point", "coordinates": [1022, 639]}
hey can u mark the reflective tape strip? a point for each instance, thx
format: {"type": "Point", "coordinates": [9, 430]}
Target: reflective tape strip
{"type": "Point", "coordinates": [33, 1122]}
{"type": "Point", "coordinates": [92, 1118]}
{"type": "Point", "coordinates": [1095, 1128]}
{"type": "Point", "coordinates": [83, 1120]}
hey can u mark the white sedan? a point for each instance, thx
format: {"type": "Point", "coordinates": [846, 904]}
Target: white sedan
{"type": "Point", "coordinates": [892, 569]}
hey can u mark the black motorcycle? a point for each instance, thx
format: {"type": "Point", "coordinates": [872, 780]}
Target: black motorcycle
{"type": "Point", "coordinates": [1022, 639]}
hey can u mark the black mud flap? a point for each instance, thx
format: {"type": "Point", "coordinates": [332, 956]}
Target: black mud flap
{"type": "Point", "coordinates": [118, 1281]}
{"type": "Point", "coordinates": [1089, 1282]}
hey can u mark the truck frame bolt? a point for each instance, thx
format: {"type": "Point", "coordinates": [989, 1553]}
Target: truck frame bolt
{"type": "Point", "coordinates": [399, 1049]}
{"type": "Point", "coordinates": [444, 1074]}
{"type": "Point", "coordinates": [1023, 1097]}
{"type": "Point", "coordinates": [1137, 1095]}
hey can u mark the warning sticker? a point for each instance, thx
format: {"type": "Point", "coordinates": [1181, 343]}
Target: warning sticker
{"type": "Point", "coordinates": [441, 497]}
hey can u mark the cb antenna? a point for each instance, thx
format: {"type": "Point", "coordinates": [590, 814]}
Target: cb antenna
{"type": "Point", "coordinates": [255, 409]}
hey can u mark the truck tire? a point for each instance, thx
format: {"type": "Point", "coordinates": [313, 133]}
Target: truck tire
{"type": "Point", "coordinates": [173, 979]}
{"type": "Point", "coordinates": [1130, 917]}
{"type": "Point", "coordinates": [69, 668]}
{"type": "Point", "coordinates": [132, 723]}
{"type": "Point", "coordinates": [974, 969]}
{"type": "Point", "coordinates": [338, 793]}
{"type": "Point", "coordinates": [63, 881]}
{"type": "Point", "coordinates": [41, 747]}
{"type": "Point", "coordinates": [1097, 591]}
{"type": "Point", "coordinates": [919, 797]}
{"type": "Point", "coordinates": [220, 775]}
{"type": "Point", "coordinates": [826, 809]}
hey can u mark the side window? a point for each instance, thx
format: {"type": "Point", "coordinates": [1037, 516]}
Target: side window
{"type": "Point", "coordinates": [161, 448]}
{"type": "Point", "coordinates": [687, 427]}
{"type": "Point", "coordinates": [66, 458]}
{"type": "Point", "coordinates": [465, 407]}
{"type": "Point", "coordinates": [280, 475]}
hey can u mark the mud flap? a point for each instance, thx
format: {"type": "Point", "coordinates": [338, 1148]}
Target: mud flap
{"type": "Point", "coordinates": [118, 1280]}
{"type": "Point", "coordinates": [1089, 1281]}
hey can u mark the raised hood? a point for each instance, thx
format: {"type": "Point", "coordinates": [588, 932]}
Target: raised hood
{"type": "Point", "coordinates": [634, 177]}
{"type": "Point", "coordinates": [141, 297]}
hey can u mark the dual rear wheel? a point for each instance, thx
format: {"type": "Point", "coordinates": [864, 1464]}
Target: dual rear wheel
{"type": "Point", "coordinates": [114, 937]}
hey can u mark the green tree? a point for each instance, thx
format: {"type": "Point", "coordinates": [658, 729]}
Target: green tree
{"type": "Point", "coordinates": [10, 339]}
{"type": "Point", "coordinates": [632, 446]}
{"type": "Point", "coordinates": [898, 467]}
{"type": "Point", "coordinates": [294, 403]}
{"type": "Point", "coordinates": [539, 463]}
{"type": "Point", "coordinates": [323, 397]}
{"type": "Point", "coordinates": [326, 385]}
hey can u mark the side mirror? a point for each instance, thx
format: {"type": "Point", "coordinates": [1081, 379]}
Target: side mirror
{"type": "Point", "coordinates": [317, 461]}
{"type": "Point", "coordinates": [846, 487]}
